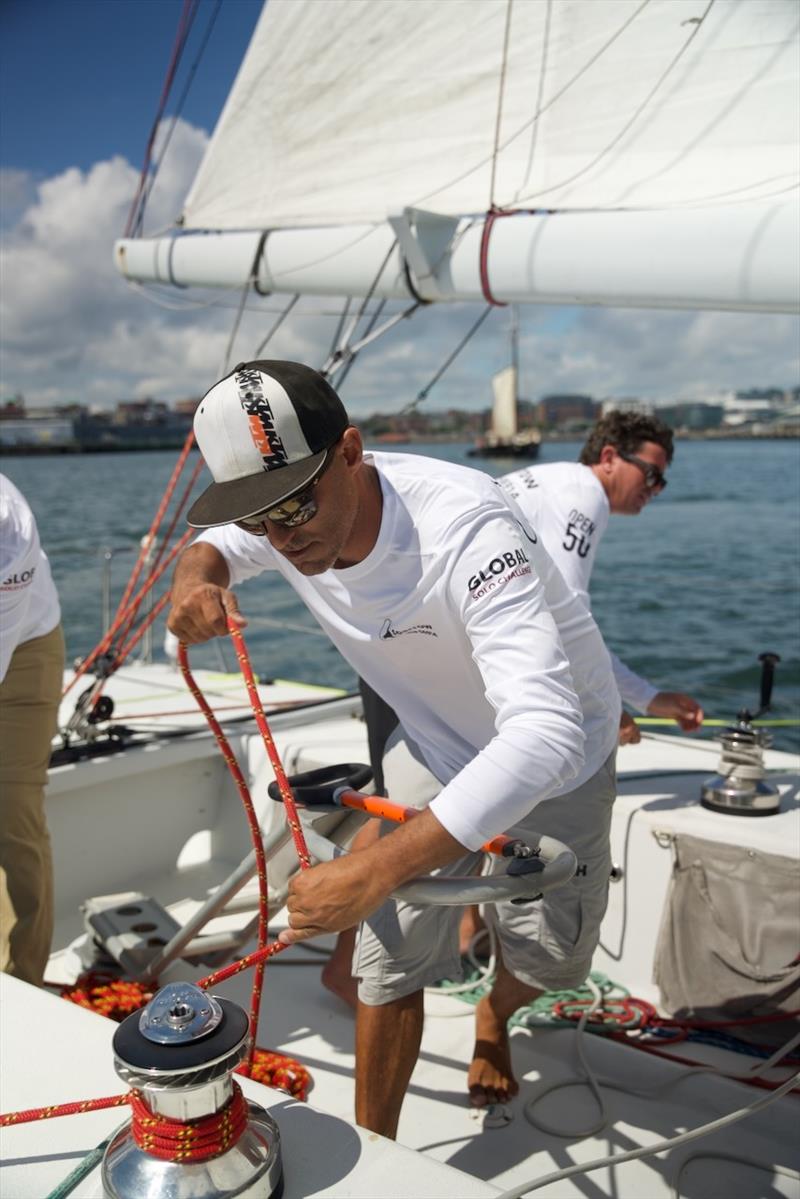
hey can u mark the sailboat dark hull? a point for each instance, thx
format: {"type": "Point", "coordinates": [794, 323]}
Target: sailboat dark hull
{"type": "Point", "coordinates": [506, 449]}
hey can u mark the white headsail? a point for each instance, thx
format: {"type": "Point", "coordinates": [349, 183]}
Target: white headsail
{"type": "Point", "coordinates": [651, 147]}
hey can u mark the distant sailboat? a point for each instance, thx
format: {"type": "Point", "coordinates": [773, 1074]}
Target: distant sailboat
{"type": "Point", "coordinates": [504, 438]}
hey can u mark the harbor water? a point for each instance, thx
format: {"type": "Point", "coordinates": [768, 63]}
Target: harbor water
{"type": "Point", "coordinates": [688, 594]}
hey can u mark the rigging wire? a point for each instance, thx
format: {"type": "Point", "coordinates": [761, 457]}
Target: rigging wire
{"type": "Point", "coordinates": [421, 395]}
{"type": "Point", "coordinates": [188, 14]}
{"type": "Point", "coordinates": [252, 282]}
{"type": "Point", "coordinates": [237, 320]}
{"type": "Point", "coordinates": [343, 352]}
{"type": "Point", "coordinates": [337, 333]}
{"type": "Point", "coordinates": [276, 326]}
{"type": "Point", "coordinates": [178, 110]}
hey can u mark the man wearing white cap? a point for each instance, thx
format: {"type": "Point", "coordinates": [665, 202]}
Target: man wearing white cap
{"type": "Point", "coordinates": [432, 587]}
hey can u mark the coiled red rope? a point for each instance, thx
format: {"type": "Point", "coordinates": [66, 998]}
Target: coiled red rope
{"type": "Point", "coordinates": [188, 1140]}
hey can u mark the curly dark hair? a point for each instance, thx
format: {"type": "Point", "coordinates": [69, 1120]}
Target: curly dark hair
{"type": "Point", "coordinates": [625, 431]}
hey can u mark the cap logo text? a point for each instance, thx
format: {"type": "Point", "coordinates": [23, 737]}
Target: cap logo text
{"type": "Point", "coordinates": [261, 420]}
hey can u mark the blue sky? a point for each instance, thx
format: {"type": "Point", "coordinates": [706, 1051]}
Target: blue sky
{"type": "Point", "coordinates": [81, 79]}
{"type": "Point", "coordinates": [80, 82]}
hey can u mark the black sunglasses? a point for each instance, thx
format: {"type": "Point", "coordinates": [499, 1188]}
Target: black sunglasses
{"type": "Point", "coordinates": [295, 510]}
{"type": "Point", "coordinates": [654, 479]}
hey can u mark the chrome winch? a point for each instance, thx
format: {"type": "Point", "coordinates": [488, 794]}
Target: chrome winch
{"type": "Point", "coordinates": [739, 787]}
{"type": "Point", "coordinates": [178, 1055]}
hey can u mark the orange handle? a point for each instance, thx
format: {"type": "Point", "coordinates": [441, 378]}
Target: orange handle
{"type": "Point", "coordinates": [377, 805]}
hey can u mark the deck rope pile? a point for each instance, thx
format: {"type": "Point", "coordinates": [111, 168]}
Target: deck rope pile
{"type": "Point", "coordinates": [107, 995]}
{"type": "Point", "coordinates": [622, 1017]}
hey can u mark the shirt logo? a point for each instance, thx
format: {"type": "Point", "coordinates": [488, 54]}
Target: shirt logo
{"type": "Point", "coordinates": [522, 480]}
{"type": "Point", "coordinates": [388, 631]}
{"type": "Point", "coordinates": [17, 581]}
{"type": "Point", "coordinates": [511, 564]}
{"type": "Point", "coordinates": [261, 420]}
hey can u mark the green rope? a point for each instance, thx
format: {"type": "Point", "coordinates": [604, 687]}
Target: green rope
{"type": "Point", "coordinates": [709, 723]}
{"type": "Point", "coordinates": [540, 1011]}
{"type": "Point", "coordinates": [80, 1172]}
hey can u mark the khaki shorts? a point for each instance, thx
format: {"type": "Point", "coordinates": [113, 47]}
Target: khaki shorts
{"type": "Point", "coordinates": [547, 944]}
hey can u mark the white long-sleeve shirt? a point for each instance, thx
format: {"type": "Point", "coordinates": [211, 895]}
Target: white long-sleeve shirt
{"type": "Point", "coordinates": [567, 506]}
{"type": "Point", "coordinates": [458, 618]}
{"type": "Point", "coordinates": [29, 604]}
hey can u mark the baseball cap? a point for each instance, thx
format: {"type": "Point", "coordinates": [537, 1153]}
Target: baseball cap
{"type": "Point", "coordinates": [263, 431]}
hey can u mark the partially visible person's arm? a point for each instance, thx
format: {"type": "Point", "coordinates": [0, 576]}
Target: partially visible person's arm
{"type": "Point", "coordinates": [201, 600]}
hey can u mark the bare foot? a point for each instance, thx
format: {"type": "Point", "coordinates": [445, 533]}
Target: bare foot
{"type": "Point", "coordinates": [490, 1078]}
{"type": "Point", "coordinates": [337, 972]}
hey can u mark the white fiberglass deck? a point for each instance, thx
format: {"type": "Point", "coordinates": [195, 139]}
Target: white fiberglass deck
{"type": "Point", "coordinates": [166, 821]}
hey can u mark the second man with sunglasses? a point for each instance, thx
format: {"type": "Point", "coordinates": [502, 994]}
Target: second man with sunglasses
{"type": "Point", "coordinates": [621, 468]}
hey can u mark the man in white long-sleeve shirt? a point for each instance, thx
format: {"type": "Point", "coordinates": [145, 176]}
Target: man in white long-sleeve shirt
{"type": "Point", "coordinates": [438, 595]}
{"type": "Point", "coordinates": [622, 467]}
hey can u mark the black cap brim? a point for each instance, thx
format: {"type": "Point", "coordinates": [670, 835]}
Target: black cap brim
{"type": "Point", "coordinates": [224, 503]}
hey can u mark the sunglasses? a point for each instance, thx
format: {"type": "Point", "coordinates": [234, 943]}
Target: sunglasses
{"type": "Point", "coordinates": [654, 479]}
{"type": "Point", "coordinates": [295, 510]}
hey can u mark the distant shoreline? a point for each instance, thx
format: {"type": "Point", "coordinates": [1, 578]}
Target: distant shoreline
{"type": "Point", "coordinates": [10, 451]}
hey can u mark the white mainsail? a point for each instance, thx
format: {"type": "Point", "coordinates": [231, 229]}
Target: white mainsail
{"type": "Point", "coordinates": [653, 146]}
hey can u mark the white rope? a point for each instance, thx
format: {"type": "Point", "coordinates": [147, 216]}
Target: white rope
{"type": "Point", "coordinates": [594, 1083]}
{"type": "Point", "coordinates": [648, 1150]}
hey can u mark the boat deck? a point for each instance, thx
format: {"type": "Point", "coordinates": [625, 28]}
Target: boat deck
{"type": "Point", "coordinates": [170, 825]}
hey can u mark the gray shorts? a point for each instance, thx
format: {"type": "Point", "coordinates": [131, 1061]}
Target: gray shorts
{"type": "Point", "coordinates": [547, 944]}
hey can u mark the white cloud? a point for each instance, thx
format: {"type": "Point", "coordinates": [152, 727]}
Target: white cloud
{"type": "Point", "coordinates": [73, 329]}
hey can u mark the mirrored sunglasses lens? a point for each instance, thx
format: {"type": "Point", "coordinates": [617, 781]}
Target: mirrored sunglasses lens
{"type": "Point", "coordinates": [294, 511]}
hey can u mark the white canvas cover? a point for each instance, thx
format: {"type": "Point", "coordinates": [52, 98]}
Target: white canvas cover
{"type": "Point", "coordinates": [345, 110]}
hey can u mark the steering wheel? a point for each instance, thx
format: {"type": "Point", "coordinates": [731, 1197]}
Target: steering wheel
{"type": "Point", "coordinates": [531, 870]}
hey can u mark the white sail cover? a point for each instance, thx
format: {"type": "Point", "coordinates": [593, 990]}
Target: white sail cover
{"type": "Point", "coordinates": [346, 110]}
{"type": "Point", "coordinates": [504, 406]}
